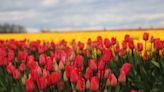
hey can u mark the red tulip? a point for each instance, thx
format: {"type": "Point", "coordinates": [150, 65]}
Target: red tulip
{"type": "Point", "coordinates": [10, 68]}
{"type": "Point", "coordinates": [74, 75]}
{"type": "Point", "coordinates": [22, 67]}
{"type": "Point", "coordinates": [101, 64]}
{"type": "Point", "coordinates": [78, 63]}
{"type": "Point", "coordinates": [45, 73]}
{"type": "Point", "coordinates": [55, 77]}
{"type": "Point", "coordinates": [16, 74]}
{"type": "Point", "coordinates": [127, 37]}
{"type": "Point", "coordinates": [100, 74]}
{"type": "Point", "coordinates": [88, 73]}
{"type": "Point", "coordinates": [42, 59]}
{"type": "Point", "coordinates": [94, 83]}
{"type": "Point", "coordinates": [49, 64]}
{"type": "Point", "coordinates": [34, 74]}
{"type": "Point", "coordinates": [48, 79]}
{"type": "Point", "coordinates": [112, 81]}
{"type": "Point", "coordinates": [140, 47]}
{"type": "Point", "coordinates": [107, 72]}
{"type": "Point", "coordinates": [41, 82]}
{"type": "Point", "coordinates": [107, 43]}
{"type": "Point", "coordinates": [113, 40]}
{"type": "Point", "coordinates": [29, 85]}
{"type": "Point", "coordinates": [42, 48]}
{"type": "Point", "coordinates": [145, 56]}
{"type": "Point", "coordinates": [122, 77]}
{"type": "Point", "coordinates": [126, 68]}
{"type": "Point", "coordinates": [80, 45]}
{"type": "Point", "coordinates": [61, 85]}
{"type": "Point", "coordinates": [107, 55]}
{"type": "Point", "coordinates": [131, 44]}
{"type": "Point", "coordinates": [133, 90]}
{"type": "Point", "coordinates": [124, 45]}
{"type": "Point", "coordinates": [157, 44]}
{"type": "Point", "coordinates": [22, 55]}
{"type": "Point", "coordinates": [11, 55]}
{"type": "Point", "coordinates": [99, 39]}
{"type": "Point", "coordinates": [92, 64]}
{"type": "Point", "coordinates": [68, 69]}
{"type": "Point", "coordinates": [122, 52]}
{"type": "Point", "coordinates": [80, 86]}
{"type": "Point", "coordinates": [145, 36]}
{"type": "Point", "coordinates": [31, 64]}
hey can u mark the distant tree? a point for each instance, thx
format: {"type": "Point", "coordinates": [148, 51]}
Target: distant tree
{"type": "Point", "coordinates": [12, 28]}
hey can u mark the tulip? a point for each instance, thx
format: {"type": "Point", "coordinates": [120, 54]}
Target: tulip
{"type": "Point", "coordinates": [80, 86]}
{"type": "Point", "coordinates": [10, 68]}
{"type": "Point", "coordinates": [126, 68]}
{"type": "Point", "coordinates": [61, 65]}
{"type": "Point", "coordinates": [131, 45]}
{"type": "Point", "coordinates": [89, 73]}
{"type": "Point", "coordinates": [22, 67]}
{"type": "Point", "coordinates": [74, 75]}
{"type": "Point", "coordinates": [94, 83]}
{"type": "Point", "coordinates": [107, 43]}
{"type": "Point", "coordinates": [113, 40]}
{"type": "Point", "coordinates": [122, 78]}
{"type": "Point", "coordinates": [45, 73]}
{"type": "Point", "coordinates": [107, 72]}
{"type": "Point", "coordinates": [49, 64]}
{"type": "Point", "coordinates": [11, 55]}
{"type": "Point", "coordinates": [133, 90]}
{"type": "Point", "coordinates": [16, 74]}
{"type": "Point", "coordinates": [61, 85]}
{"type": "Point", "coordinates": [127, 37]}
{"type": "Point", "coordinates": [92, 64]}
{"type": "Point", "coordinates": [68, 70]}
{"type": "Point", "coordinates": [22, 56]}
{"type": "Point", "coordinates": [55, 77]}
{"type": "Point", "coordinates": [99, 39]}
{"type": "Point", "coordinates": [124, 45]}
{"type": "Point", "coordinates": [29, 85]}
{"type": "Point", "coordinates": [140, 47]}
{"type": "Point", "coordinates": [78, 63]}
{"type": "Point", "coordinates": [145, 36]}
{"type": "Point", "coordinates": [42, 59]}
{"type": "Point", "coordinates": [80, 45]}
{"type": "Point", "coordinates": [145, 56]}
{"type": "Point", "coordinates": [101, 64]}
{"type": "Point", "coordinates": [112, 81]}
{"type": "Point", "coordinates": [41, 82]}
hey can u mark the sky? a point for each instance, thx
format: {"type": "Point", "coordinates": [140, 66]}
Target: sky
{"type": "Point", "coordinates": [82, 14]}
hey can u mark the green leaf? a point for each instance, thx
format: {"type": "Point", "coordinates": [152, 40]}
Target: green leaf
{"type": "Point", "coordinates": [155, 63]}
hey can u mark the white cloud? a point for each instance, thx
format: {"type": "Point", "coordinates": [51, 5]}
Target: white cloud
{"type": "Point", "coordinates": [49, 2]}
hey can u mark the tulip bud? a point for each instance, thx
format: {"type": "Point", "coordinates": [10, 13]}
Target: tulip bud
{"type": "Point", "coordinates": [24, 78]}
{"type": "Point", "coordinates": [112, 81]}
{"type": "Point", "coordinates": [145, 36]}
{"type": "Point", "coordinates": [61, 65]}
{"type": "Point", "coordinates": [126, 68]}
{"type": "Point", "coordinates": [122, 78]}
{"type": "Point", "coordinates": [80, 86]}
{"type": "Point", "coordinates": [92, 64]}
{"type": "Point", "coordinates": [87, 84]}
{"type": "Point", "coordinates": [140, 47]}
{"type": "Point", "coordinates": [94, 84]}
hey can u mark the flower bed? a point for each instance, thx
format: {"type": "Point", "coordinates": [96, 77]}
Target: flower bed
{"type": "Point", "coordinates": [98, 65]}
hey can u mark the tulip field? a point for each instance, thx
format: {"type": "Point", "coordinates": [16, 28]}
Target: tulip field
{"type": "Point", "coordinates": [118, 61]}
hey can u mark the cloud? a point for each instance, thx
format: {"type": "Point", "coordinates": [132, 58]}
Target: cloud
{"type": "Point", "coordinates": [81, 14]}
{"type": "Point", "coordinates": [49, 2]}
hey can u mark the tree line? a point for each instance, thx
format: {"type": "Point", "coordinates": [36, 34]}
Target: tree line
{"type": "Point", "coordinates": [12, 28]}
